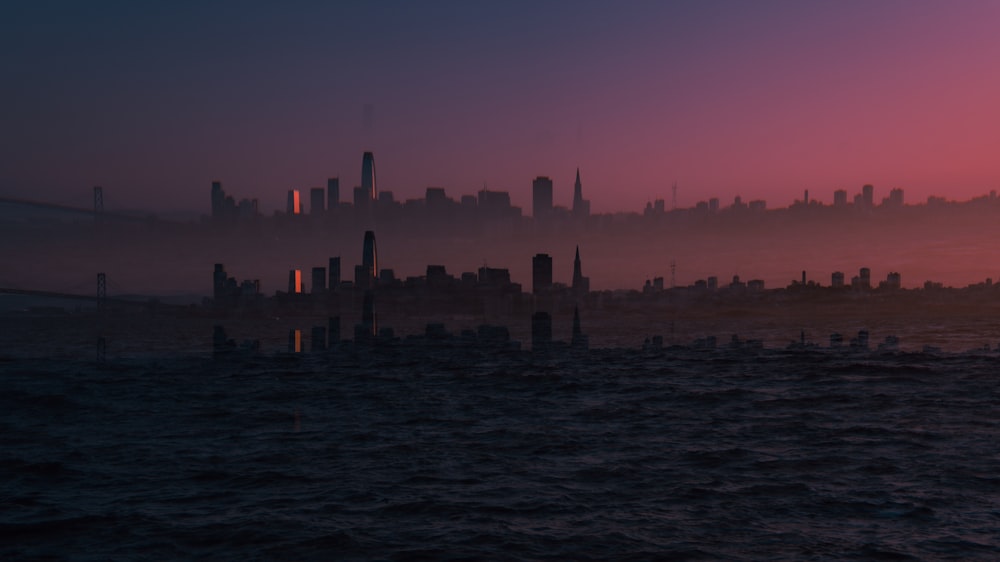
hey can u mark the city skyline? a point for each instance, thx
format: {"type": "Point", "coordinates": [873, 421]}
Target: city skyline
{"type": "Point", "coordinates": [759, 101]}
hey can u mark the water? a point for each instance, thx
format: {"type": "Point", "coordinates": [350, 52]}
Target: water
{"type": "Point", "coordinates": [762, 455]}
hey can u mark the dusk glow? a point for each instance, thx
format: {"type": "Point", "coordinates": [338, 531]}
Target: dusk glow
{"type": "Point", "coordinates": [761, 100]}
{"type": "Point", "coordinates": [640, 280]}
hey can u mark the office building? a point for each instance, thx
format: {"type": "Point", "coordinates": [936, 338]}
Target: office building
{"type": "Point", "coordinates": [364, 274]}
{"type": "Point", "coordinates": [368, 176]}
{"type": "Point", "coordinates": [218, 200]}
{"type": "Point", "coordinates": [541, 274]}
{"type": "Point", "coordinates": [868, 196]}
{"type": "Point", "coordinates": [334, 271]}
{"type": "Point", "coordinates": [294, 206]}
{"type": "Point", "coordinates": [294, 281]}
{"type": "Point", "coordinates": [332, 194]}
{"type": "Point", "coordinates": [840, 198]}
{"type": "Point", "coordinates": [541, 198]}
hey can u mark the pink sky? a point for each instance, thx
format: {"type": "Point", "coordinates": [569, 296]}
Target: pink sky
{"type": "Point", "coordinates": [761, 100]}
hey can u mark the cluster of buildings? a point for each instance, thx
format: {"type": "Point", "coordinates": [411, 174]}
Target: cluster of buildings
{"type": "Point", "coordinates": [367, 201]}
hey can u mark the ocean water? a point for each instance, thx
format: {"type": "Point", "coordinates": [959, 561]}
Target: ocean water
{"type": "Point", "coordinates": [618, 455]}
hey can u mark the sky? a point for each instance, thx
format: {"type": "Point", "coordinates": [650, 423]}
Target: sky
{"type": "Point", "coordinates": [764, 99]}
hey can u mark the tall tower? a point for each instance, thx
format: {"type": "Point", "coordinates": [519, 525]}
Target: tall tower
{"type": "Point", "coordinates": [541, 273]}
{"type": "Point", "coordinates": [581, 284]}
{"type": "Point", "coordinates": [364, 274]}
{"type": "Point", "coordinates": [541, 198]}
{"type": "Point", "coordinates": [368, 175]}
{"type": "Point", "coordinates": [581, 207]}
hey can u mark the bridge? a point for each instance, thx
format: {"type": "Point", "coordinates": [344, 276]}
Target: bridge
{"type": "Point", "coordinates": [99, 297]}
{"type": "Point", "coordinates": [97, 212]}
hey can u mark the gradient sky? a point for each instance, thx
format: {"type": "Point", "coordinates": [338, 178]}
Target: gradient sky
{"type": "Point", "coordinates": [758, 99]}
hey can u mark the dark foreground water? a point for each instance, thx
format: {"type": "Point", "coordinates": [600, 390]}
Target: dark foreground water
{"type": "Point", "coordinates": [621, 456]}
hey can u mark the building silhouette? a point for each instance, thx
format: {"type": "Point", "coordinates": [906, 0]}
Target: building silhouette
{"type": "Point", "coordinates": [294, 281]}
{"type": "Point", "coordinates": [218, 200]}
{"type": "Point", "coordinates": [541, 274]}
{"type": "Point", "coordinates": [364, 274]}
{"type": "Point", "coordinates": [868, 196]}
{"type": "Point", "coordinates": [332, 194]}
{"type": "Point", "coordinates": [840, 198]}
{"type": "Point", "coordinates": [368, 176]}
{"type": "Point", "coordinates": [334, 273]}
{"type": "Point", "coordinates": [541, 198]}
{"type": "Point", "coordinates": [581, 284]}
{"type": "Point", "coordinates": [581, 207]}
{"type": "Point", "coordinates": [294, 205]}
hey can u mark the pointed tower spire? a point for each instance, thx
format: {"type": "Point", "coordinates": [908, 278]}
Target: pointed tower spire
{"type": "Point", "coordinates": [581, 207]}
{"type": "Point", "coordinates": [581, 284]}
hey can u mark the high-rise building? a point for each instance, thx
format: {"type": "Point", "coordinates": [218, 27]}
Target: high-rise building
{"type": "Point", "coordinates": [868, 196]}
{"type": "Point", "coordinates": [294, 206]}
{"type": "Point", "coordinates": [318, 280]}
{"type": "Point", "coordinates": [840, 198]}
{"type": "Point", "coordinates": [316, 201]}
{"type": "Point", "coordinates": [334, 272]}
{"type": "Point", "coordinates": [218, 199]}
{"type": "Point", "coordinates": [541, 198]}
{"type": "Point", "coordinates": [364, 274]}
{"type": "Point", "coordinates": [368, 175]}
{"type": "Point", "coordinates": [895, 198]}
{"type": "Point", "coordinates": [541, 273]}
{"type": "Point", "coordinates": [332, 194]}
{"type": "Point", "coordinates": [294, 281]}
{"type": "Point", "coordinates": [581, 284]}
{"type": "Point", "coordinates": [581, 207]}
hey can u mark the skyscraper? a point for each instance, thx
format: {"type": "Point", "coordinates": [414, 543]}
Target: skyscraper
{"type": "Point", "coordinates": [332, 194]}
{"type": "Point", "coordinates": [334, 272]}
{"type": "Point", "coordinates": [581, 207]}
{"type": "Point", "coordinates": [581, 284]}
{"type": "Point", "coordinates": [368, 175]}
{"type": "Point", "coordinates": [294, 281]}
{"type": "Point", "coordinates": [364, 274]}
{"type": "Point", "coordinates": [294, 206]}
{"type": "Point", "coordinates": [541, 273]}
{"type": "Point", "coordinates": [541, 198]}
{"type": "Point", "coordinates": [218, 199]}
